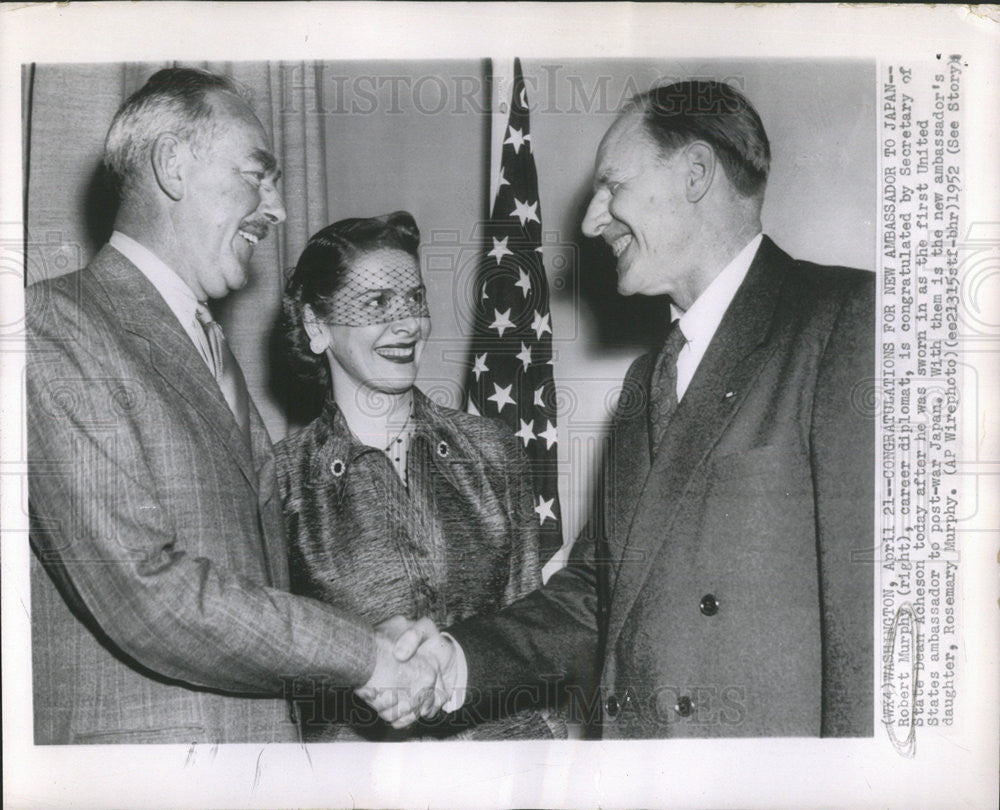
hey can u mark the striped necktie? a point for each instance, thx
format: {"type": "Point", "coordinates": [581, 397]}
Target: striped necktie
{"type": "Point", "coordinates": [227, 371]}
{"type": "Point", "coordinates": [663, 386]}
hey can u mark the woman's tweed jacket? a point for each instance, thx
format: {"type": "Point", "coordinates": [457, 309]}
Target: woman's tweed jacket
{"type": "Point", "coordinates": [459, 539]}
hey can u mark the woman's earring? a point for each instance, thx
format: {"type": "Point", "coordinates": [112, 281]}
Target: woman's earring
{"type": "Point", "coordinates": [317, 345]}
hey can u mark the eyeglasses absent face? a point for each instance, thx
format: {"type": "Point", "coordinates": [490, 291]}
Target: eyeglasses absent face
{"type": "Point", "coordinates": [230, 203]}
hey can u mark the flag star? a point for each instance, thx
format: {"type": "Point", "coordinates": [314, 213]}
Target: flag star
{"type": "Point", "coordinates": [525, 212]}
{"type": "Point", "coordinates": [541, 324]}
{"type": "Point", "coordinates": [539, 393]}
{"type": "Point", "coordinates": [502, 181]}
{"type": "Point", "coordinates": [500, 249]}
{"type": "Point", "coordinates": [502, 397]}
{"type": "Point", "coordinates": [523, 282]}
{"type": "Point", "coordinates": [480, 365]}
{"type": "Point", "coordinates": [527, 431]}
{"type": "Point", "coordinates": [549, 434]}
{"type": "Point", "coordinates": [502, 321]}
{"type": "Point", "coordinates": [516, 139]}
{"type": "Point", "coordinates": [482, 295]}
{"type": "Point", "coordinates": [523, 98]}
{"type": "Point", "coordinates": [524, 356]}
{"type": "Point", "coordinates": [544, 509]}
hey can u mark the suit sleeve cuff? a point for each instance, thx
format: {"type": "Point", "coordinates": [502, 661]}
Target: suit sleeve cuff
{"type": "Point", "coordinates": [459, 688]}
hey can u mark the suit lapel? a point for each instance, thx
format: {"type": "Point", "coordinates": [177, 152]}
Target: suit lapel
{"type": "Point", "coordinates": [272, 521]}
{"type": "Point", "coordinates": [630, 453]}
{"type": "Point", "coordinates": [735, 356]}
{"type": "Point", "coordinates": [145, 315]}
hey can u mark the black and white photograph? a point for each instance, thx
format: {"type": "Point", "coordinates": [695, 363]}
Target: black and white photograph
{"type": "Point", "coordinates": [578, 412]}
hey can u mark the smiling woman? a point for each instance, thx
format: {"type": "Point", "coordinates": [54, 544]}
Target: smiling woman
{"type": "Point", "coordinates": [355, 315]}
{"type": "Point", "coordinates": [394, 505]}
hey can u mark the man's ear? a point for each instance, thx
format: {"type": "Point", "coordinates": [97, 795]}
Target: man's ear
{"type": "Point", "coordinates": [701, 165]}
{"type": "Point", "coordinates": [167, 156]}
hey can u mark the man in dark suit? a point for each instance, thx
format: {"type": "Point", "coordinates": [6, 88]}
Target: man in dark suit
{"type": "Point", "coordinates": [160, 604]}
{"type": "Point", "coordinates": [726, 590]}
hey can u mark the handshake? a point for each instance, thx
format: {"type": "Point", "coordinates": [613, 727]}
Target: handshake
{"type": "Point", "coordinates": [416, 672]}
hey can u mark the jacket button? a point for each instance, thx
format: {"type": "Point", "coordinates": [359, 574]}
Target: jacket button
{"type": "Point", "coordinates": [611, 705]}
{"type": "Point", "coordinates": [683, 706]}
{"type": "Point", "coordinates": [709, 605]}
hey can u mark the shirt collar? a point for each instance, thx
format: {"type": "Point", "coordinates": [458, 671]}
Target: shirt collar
{"type": "Point", "coordinates": [343, 444]}
{"type": "Point", "coordinates": [169, 285]}
{"type": "Point", "coordinates": [702, 318]}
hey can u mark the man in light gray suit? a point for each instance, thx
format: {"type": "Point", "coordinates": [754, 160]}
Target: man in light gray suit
{"type": "Point", "coordinates": [160, 609]}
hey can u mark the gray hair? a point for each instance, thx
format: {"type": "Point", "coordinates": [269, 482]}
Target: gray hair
{"type": "Point", "coordinates": [172, 100]}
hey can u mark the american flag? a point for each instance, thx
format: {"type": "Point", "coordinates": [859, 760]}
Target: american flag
{"type": "Point", "coordinates": [510, 373]}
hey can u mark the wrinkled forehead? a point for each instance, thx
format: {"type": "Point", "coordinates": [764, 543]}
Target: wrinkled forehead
{"type": "Point", "coordinates": [382, 269]}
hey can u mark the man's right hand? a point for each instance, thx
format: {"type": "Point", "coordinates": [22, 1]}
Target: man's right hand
{"type": "Point", "coordinates": [412, 679]}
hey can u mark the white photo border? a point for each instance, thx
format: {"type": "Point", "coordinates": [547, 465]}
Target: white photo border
{"type": "Point", "coordinates": [746, 773]}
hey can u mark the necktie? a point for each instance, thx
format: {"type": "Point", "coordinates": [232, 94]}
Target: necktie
{"type": "Point", "coordinates": [226, 369]}
{"type": "Point", "coordinates": [663, 386]}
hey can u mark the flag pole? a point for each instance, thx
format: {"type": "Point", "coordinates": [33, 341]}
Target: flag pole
{"type": "Point", "coordinates": [500, 85]}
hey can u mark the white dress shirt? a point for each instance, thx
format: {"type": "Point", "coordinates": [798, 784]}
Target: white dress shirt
{"type": "Point", "coordinates": [174, 290]}
{"type": "Point", "coordinates": [703, 317]}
